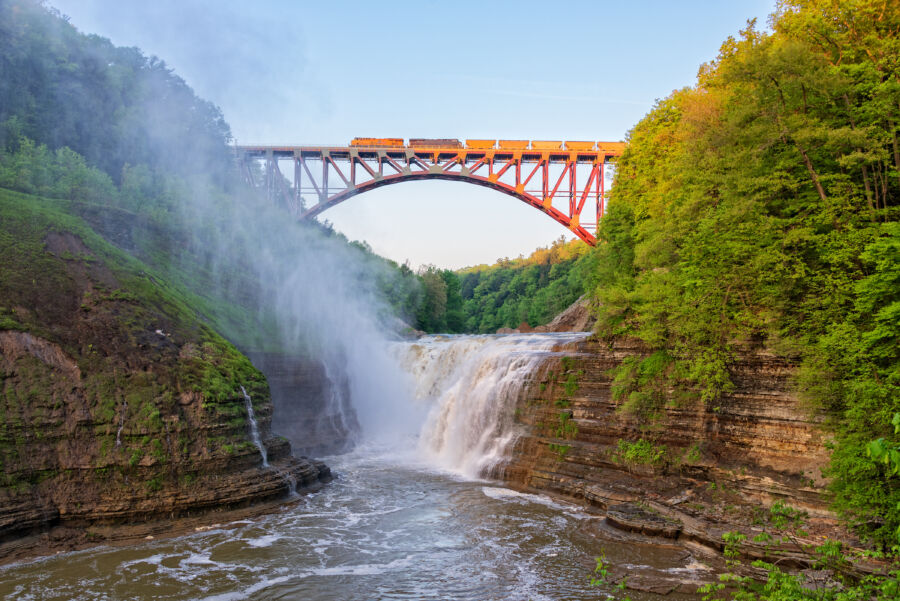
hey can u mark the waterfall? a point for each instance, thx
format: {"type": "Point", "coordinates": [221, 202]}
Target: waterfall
{"type": "Point", "coordinates": [472, 384]}
{"type": "Point", "coordinates": [121, 425]}
{"type": "Point", "coordinates": [291, 481]}
{"type": "Point", "coordinates": [254, 428]}
{"type": "Point", "coordinates": [338, 411]}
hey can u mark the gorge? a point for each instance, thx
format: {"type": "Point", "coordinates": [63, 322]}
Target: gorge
{"type": "Point", "coordinates": [204, 397]}
{"type": "Point", "coordinates": [414, 508]}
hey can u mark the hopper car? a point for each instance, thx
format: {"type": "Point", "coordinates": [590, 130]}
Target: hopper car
{"type": "Point", "coordinates": [611, 147]}
{"type": "Point", "coordinates": [546, 145]}
{"type": "Point", "coordinates": [571, 145]}
{"type": "Point", "coordinates": [379, 142]}
{"type": "Point", "coordinates": [513, 144]}
{"type": "Point", "coordinates": [434, 143]}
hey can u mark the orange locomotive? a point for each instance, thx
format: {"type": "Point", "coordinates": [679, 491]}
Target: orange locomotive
{"type": "Point", "coordinates": [381, 142]}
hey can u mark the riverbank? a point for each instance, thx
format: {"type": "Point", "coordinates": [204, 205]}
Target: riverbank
{"type": "Point", "coordinates": [119, 405]}
{"type": "Point", "coordinates": [683, 473]}
{"type": "Point", "coordinates": [66, 539]}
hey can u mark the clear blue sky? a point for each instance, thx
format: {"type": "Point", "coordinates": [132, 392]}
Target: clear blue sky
{"type": "Point", "coordinates": [291, 71]}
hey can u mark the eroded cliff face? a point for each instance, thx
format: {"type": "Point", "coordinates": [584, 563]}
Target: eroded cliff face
{"type": "Point", "coordinates": [117, 404]}
{"type": "Point", "coordinates": [71, 459]}
{"type": "Point", "coordinates": [312, 404]}
{"type": "Point", "coordinates": [709, 468]}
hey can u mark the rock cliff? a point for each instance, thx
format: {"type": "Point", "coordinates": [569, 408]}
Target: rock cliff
{"type": "Point", "coordinates": [704, 469]}
{"type": "Point", "coordinates": [313, 406]}
{"type": "Point", "coordinates": [117, 404]}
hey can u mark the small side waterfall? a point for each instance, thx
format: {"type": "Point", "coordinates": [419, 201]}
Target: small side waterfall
{"type": "Point", "coordinates": [473, 383]}
{"type": "Point", "coordinates": [291, 481]}
{"type": "Point", "coordinates": [121, 425]}
{"type": "Point", "coordinates": [338, 413]}
{"type": "Point", "coordinates": [254, 428]}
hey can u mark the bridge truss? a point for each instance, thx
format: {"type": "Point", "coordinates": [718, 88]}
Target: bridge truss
{"type": "Point", "coordinates": [567, 181]}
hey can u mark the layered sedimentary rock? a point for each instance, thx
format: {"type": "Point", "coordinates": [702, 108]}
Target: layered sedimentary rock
{"type": "Point", "coordinates": [313, 405]}
{"type": "Point", "coordinates": [706, 466]}
{"type": "Point", "coordinates": [70, 459]}
{"type": "Point", "coordinates": [118, 405]}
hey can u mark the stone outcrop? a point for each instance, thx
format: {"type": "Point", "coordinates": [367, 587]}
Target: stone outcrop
{"type": "Point", "coordinates": [118, 404]}
{"type": "Point", "coordinates": [700, 470]}
{"type": "Point", "coordinates": [313, 406]}
{"type": "Point", "coordinates": [68, 461]}
{"type": "Point", "coordinates": [576, 318]}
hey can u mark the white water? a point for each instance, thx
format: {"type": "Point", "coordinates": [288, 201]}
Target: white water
{"type": "Point", "coordinates": [254, 428]}
{"type": "Point", "coordinates": [381, 530]}
{"type": "Point", "coordinates": [471, 384]}
{"type": "Point", "coordinates": [390, 526]}
{"type": "Point", "coordinates": [121, 425]}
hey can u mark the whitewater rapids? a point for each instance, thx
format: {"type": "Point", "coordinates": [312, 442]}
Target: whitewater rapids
{"type": "Point", "coordinates": [408, 519]}
{"type": "Point", "coordinates": [471, 384]}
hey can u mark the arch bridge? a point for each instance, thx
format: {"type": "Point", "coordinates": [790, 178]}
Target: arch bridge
{"type": "Point", "coordinates": [564, 180]}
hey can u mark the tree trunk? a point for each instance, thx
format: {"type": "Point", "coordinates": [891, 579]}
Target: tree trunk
{"type": "Point", "coordinates": [809, 167]}
{"type": "Point", "coordinates": [896, 147]}
{"type": "Point", "coordinates": [865, 172]}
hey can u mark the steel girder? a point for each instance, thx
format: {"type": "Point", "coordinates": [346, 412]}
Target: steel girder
{"type": "Point", "coordinates": [559, 183]}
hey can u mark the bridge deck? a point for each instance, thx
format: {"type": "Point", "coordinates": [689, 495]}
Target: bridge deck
{"type": "Point", "coordinates": [557, 178]}
{"type": "Point", "coordinates": [432, 153]}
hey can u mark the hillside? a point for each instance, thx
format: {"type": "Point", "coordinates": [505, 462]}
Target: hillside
{"type": "Point", "coordinates": [760, 206]}
{"type": "Point", "coordinates": [117, 402]}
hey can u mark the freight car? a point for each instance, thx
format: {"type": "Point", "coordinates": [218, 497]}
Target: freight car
{"type": "Point", "coordinates": [434, 143]}
{"type": "Point", "coordinates": [608, 148]}
{"type": "Point", "coordinates": [513, 144]}
{"type": "Point", "coordinates": [481, 144]}
{"type": "Point", "coordinates": [572, 145]}
{"type": "Point", "coordinates": [381, 142]}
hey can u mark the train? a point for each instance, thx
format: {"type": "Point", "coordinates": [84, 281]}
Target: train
{"type": "Point", "coordinates": [609, 148]}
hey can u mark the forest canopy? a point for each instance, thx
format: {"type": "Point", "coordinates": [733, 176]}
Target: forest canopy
{"type": "Point", "coordinates": [760, 207]}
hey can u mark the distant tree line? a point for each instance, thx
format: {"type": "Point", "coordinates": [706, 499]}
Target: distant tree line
{"type": "Point", "coordinates": [113, 106]}
{"type": "Point", "coordinates": [84, 120]}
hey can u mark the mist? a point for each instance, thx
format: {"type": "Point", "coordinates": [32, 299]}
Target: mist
{"type": "Point", "coordinates": [317, 297]}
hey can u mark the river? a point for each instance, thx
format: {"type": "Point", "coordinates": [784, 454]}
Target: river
{"type": "Point", "coordinates": [404, 519]}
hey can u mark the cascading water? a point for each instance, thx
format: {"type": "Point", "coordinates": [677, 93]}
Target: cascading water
{"type": "Point", "coordinates": [338, 411]}
{"type": "Point", "coordinates": [386, 528]}
{"type": "Point", "coordinates": [472, 383]}
{"type": "Point", "coordinates": [121, 425]}
{"type": "Point", "coordinates": [254, 428]}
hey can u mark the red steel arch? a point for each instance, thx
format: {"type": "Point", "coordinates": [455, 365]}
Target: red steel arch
{"type": "Point", "coordinates": [560, 180]}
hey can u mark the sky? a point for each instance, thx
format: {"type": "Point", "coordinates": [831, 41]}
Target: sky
{"type": "Point", "coordinates": [298, 72]}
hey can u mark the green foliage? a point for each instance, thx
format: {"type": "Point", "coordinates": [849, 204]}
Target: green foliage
{"type": "Point", "coordinates": [570, 387]}
{"type": "Point", "coordinates": [113, 106]}
{"type": "Point", "coordinates": [886, 453]}
{"type": "Point", "coordinates": [155, 484]}
{"type": "Point", "coordinates": [530, 290]}
{"type": "Point", "coordinates": [760, 207]}
{"type": "Point", "coordinates": [782, 526]}
{"type": "Point", "coordinates": [566, 427]}
{"type": "Point", "coordinates": [645, 384]}
{"type": "Point", "coordinates": [693, 454]}
{"type": "Point", "coordinates": [601, 576]}
{"type": "Point", "coordinates": [641, 452]}
{"type": "Point", "coordinates": [561, 450]}
{"type": "Point", "coordinates": [441, 305]}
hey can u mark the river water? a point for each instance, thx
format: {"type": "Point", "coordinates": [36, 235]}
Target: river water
{"type": "Point", "coordinates": [406, 519]}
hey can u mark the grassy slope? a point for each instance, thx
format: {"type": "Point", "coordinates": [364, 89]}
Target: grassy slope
{"type": "Point", "coordinates": [62, 282]}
